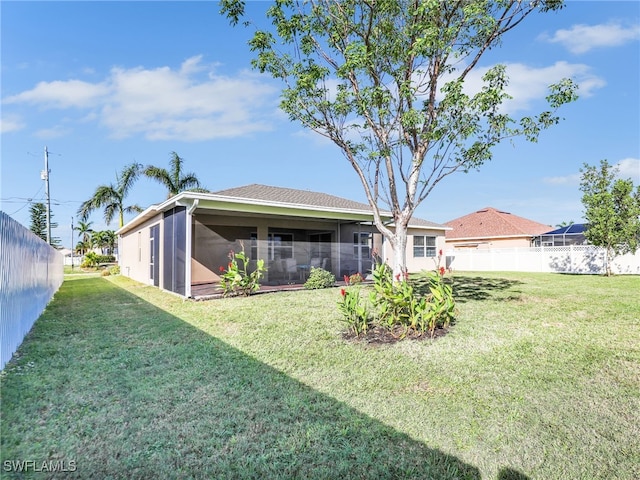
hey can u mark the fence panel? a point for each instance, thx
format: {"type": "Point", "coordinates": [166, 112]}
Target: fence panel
{"type": "Point", "coordinates": [568, 259]}
{"type": "Point", "coordinates": [31, 272]}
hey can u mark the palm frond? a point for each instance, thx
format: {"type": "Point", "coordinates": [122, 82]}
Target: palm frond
{"type": "Point", "coordinates": [128, 177]}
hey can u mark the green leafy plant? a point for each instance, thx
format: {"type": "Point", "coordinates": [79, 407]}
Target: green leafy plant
{"type": "Point", "coordinates": [105, 259]}
{"type": "Point", "coordinates": [236, 279]}
{"type": "Point", "coordinates": [90, 260]}
{"type": "Point", "coordinates": [115, 270]}
{"type": "Point", "coordinates": [320, 278]}
{"type": "Point", "coordinates": [440, 307]}
{"type": "Point", "coordinates": [397, 303]}
{"type": "Point", "coordinates": [354, 311]}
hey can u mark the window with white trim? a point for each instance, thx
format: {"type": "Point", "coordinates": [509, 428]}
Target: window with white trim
{"type": "Point", "coordinates": [424, 246]}
{"type": "Point", "coordinates": [280, 245]}
{"type": "Point", "coordinates": [362, 243]}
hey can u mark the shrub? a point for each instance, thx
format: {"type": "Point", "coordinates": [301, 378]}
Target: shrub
{"type": "Point", "coordinates": [398, 304]}
{"type": "Point", "coordinates": [115, 270]}
{"type": "Point", "coordinates": [320, 278]}
{"type": "Point", "coordinates": [90, 260]}
{"type": "Point", "coordinates": [354, 311]}
{"type": "Point", "coordinates": [105, 273]}
{"type": "Point", "coordinates": [236, 280]}
{"type": "Point", "coordinates": [105, 259]}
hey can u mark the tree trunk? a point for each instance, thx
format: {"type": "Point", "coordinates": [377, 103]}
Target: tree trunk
{"type": "Point", "coordinates": [397, 240]}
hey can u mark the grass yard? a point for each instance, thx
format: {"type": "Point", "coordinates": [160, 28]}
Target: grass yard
{"type": "Point", "coordinates": [539, 379]}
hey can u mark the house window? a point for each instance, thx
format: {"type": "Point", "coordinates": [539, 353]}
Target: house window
{"type": "Point", "coordinates": [424, 246]}
{"type": "Point", "coordinates": [362, 243]}
{"type": "Point", "coordinates": [280, 246]}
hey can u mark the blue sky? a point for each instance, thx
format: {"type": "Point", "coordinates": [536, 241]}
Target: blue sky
{"type": "Point", "coordinates": [104, 84]}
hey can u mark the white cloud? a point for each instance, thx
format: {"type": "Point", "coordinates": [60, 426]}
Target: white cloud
{"type": "Point", "coordinates": [573, 179]}
{"type": "Point", "coordinates": [10, 123]}
{"type": "Point", "coordinates": [629, 168]}
{"type": "Point", "coordinates": [62, 94]}
{"type": "Point", "coordinates": [582, 38]}
{"type": "Point", "coordinates": [528, 84]}
{"type": "Point", "coordinates": [54, 132]}
{"type": "Point", "coordinates": [163, 103]}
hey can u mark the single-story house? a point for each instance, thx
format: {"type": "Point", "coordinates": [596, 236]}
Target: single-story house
{"type": "Point", "coordinates": [492, 228]}
{"type": "Point", "coordinates": [186, 240]}
{"type": "Point", "coordinates": [568, 235]}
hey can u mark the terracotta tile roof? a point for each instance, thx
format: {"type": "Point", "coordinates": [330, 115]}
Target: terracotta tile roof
{"type": "Point", "coordinates": [490, 222]}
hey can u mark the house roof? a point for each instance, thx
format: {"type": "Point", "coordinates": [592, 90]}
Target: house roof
{"type": "Point", "coordinates": [268, 193]}
{"type": "Point", "coordinates": [491, 223]}
{"type": "Point", "coordinates": [573, 229]}
{"type": "Point", "coordinates": [265, 199]}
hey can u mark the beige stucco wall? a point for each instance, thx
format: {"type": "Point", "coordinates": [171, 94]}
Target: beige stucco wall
{"type": "Point", "coordinates": [497, 242]}
{"type": "Point", "coordinates": [417, 264]}
{"type": "Point", "coordinates": [134, 252]}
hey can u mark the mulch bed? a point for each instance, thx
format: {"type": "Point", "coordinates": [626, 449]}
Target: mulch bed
{"type": "Point", "coordinates": [380, 335]}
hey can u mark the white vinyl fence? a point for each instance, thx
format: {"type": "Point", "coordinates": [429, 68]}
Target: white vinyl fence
{"type": "Point", "coordinates": [30, 273]}
{"type": "Point", "coordinates": [569, 259]}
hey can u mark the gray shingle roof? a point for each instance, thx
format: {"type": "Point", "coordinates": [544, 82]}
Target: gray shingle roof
{"type": "Point", "coordinates": [290, 195]}
{"type": "Point", "coordinates": [268, 193]}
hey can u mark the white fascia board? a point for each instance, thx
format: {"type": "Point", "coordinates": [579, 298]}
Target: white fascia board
{"type": "Point", "coordinates": [247, 205]}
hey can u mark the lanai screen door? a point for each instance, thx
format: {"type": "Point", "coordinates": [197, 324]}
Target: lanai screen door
{"type": "Point", "coordinates": [154, 251]}
{"type": "Point", "coordinates": [174, 251]}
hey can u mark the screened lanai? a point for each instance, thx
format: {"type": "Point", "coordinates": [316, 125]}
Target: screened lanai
{"type": "Point", "coordinates": [568, 235]}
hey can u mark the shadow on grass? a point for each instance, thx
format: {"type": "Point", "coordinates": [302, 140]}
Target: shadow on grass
{"type": "Point", "coordinates": [126, 390]}
{"type": "Point", "coordinates": [510, 474]}
{"type": "Point", "coordinates": [480, 288]}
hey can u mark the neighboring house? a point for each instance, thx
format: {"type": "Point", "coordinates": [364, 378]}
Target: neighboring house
{"type": "Point", "coordinates": [568, 235]}
{"type": "Point", "coordinates": [492, 228]}
{"type": "Point", "coordinates": [186, 240]}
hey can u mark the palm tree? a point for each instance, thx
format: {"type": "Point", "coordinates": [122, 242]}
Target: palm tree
{"type": "Point", "coordinates": [565, 224]}
{"type": "Point", "coordinates": [84, 231]}
{"type": "Point", "coordinates": [110, 241]}
{"type": "Point", "coordinates": [174, 180]}
{"type": "Point", "coordinates": [104, 240]}
{"type": "Point", "coordinates": [111, 197]}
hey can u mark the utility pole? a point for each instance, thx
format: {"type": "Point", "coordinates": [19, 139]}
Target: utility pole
{"type": "Point", "coordinates": [45, 176]}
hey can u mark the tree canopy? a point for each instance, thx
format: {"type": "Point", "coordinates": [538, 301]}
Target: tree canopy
{"type": "Point", "coordinates": [385, 81]}
{"type": "Point", "coordinates": [612, 210]}
{"type": "Point", "coordinates": [112, 197]}
{"type": "Point", "coordinates": [38, 214]}
{"type": "Point", "coordinates": [174, 179]}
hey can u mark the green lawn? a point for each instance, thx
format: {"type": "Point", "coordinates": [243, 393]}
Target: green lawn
{"type": "Point", "coordinates": [539, 379]}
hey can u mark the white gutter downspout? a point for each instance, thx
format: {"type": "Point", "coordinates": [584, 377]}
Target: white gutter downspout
{"type": "Point", "coordinates": [187, 250]}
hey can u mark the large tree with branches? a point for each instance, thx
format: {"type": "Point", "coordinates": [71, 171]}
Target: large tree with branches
{"type": "Point", "coordinates": [385, 81]}
{"type": "Point", "coordinates": [612, 210]}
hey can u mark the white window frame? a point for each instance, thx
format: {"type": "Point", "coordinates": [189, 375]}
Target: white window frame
{"type": "Point", "coordinates": [425, 246]}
